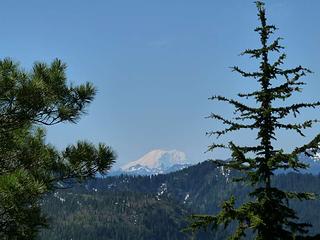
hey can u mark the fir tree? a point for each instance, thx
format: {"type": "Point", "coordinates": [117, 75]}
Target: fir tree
{"type": "Point", "coordinates": [268, 214]}
{"type": "Point", "coordinates": [30, 167]}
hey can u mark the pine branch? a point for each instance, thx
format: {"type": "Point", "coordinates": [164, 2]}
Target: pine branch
{"type": "Point", "coordinates": [279, 61]}
{"type": "Point", "coordinates": [297, 127]}
{"type": "Point", "coordinates": [282, 91]}
{"type": "Point", "coordinates": [310, 149]}
{"type": "Point", "coordinates": [294, 71]}
{"type": "Point", "coordinates": [224, 120]}
{"type": "Point", "coordinates": [281, 160]}
{"type": "Point", "coordinates": [294, 108]}
{"type": "Point", "coordinates": [214, 146]}
{"type": "Point", "coordinates": [247, 95]}
{"type": "Point", "coordinates": [301, 195]}
{"type": "Point", "coordinates": [239, 106]}
{"type": "Point", "coordinates": [246, 74]}
{"type": "Point", "coordinates": [285, 90]}
{"type": "Point", "coordinates": [233, 127]}
{"type": "Point", "coordinates": [257, 53]}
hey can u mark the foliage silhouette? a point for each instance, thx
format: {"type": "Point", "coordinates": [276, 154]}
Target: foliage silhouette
{"type": "Point", "coordinates": [30, 167]}
{"type": "Point", "coordinates": [268, 213]}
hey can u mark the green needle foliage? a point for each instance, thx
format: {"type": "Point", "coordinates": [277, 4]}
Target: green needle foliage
{"type": "Point", "coordinates": [30, 167]}
{"type": "Point", "coordinates": [268, 215]}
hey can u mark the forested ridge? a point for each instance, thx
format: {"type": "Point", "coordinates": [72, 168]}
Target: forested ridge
{"type": "Point", "coordinates": [158, 207]}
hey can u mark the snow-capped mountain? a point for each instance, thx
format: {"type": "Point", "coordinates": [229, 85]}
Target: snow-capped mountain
{"type": "Point", "coordinates": [156, 162]}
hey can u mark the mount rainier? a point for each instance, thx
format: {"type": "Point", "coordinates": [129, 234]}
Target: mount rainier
{"type": "Point", "coordinates": [155, 162]}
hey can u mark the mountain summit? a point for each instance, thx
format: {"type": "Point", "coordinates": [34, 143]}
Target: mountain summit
{"type": "Point", "coordinates": [157, 162]}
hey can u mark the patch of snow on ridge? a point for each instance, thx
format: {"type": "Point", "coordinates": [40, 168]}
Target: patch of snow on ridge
{"type": "Point", "coordinates": [162, 189]}
{"type": "Point", "coordinates": [225, 172]}
{"type": "Point", "coordinates": [186, 198]}
{"type": "Point", "coordinates": [56, 195]}
{"type": "Point", "coordinates": [317, 156]}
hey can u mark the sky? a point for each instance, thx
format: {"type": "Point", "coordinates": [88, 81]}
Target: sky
{"type": "Point", "coordinates": [155, 63]}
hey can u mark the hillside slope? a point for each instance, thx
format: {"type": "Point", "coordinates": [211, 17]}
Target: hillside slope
{"type": "Point", "coordinates": [157, 207]}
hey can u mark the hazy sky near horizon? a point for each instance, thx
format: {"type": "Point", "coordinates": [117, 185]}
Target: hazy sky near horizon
{"type": "Point", "coordinates": [155, 63]}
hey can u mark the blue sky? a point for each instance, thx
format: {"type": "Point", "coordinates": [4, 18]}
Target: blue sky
{"type": "Point", "coordinates": [155, 63]}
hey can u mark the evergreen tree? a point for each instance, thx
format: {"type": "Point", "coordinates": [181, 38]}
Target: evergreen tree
{"type": "Point", "coordinates": [268, 214]}
{"type": "Point", "coordinates": [29, 166]}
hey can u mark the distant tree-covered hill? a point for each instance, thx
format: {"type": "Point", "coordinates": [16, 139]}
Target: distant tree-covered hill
{"type": "Point", "coordinates": [157, 207]}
